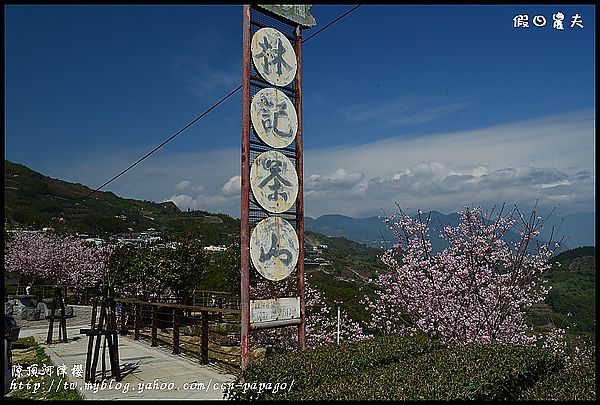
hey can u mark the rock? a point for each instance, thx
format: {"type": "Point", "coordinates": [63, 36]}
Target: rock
{"type": "Point", "coordinates": [44, 311]}
{"type": "Point", "coordinates": [25, 300]}
{"type": "Point", "coordinates": [232, 349]}
{"type": "Point", "coordinates": [17, 305]}
{"type": "Point", "coordinates": [30, 314]}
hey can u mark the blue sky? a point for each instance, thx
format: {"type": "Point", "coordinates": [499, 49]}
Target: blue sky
{"type": "Point", "coordinates": [434, 107]}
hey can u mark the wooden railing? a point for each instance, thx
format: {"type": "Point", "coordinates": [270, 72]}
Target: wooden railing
{"type": "Point", "coordinates": [73, 295]}
{"type": "Point", "coordinates": [207, 333]}
{"type": "Point", "coordinates": [83, 296]}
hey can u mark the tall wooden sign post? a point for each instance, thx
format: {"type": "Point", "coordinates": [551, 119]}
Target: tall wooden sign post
{"type": "Point", "coordinates": [272, 199]}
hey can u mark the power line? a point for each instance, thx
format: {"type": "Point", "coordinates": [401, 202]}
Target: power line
{"type": "Point", "coordinates": [198, 118]}
{"type": "Point", "coordinates": [162, 144]}
{"type": "Point", "coordinates": [330, 24]}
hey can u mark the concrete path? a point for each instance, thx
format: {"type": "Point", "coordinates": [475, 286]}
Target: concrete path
{"type": "Point", "coordinates": [148, 372]}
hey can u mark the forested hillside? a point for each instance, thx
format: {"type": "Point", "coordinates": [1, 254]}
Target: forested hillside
{"type": "Point", "coordinates": [32, 200]}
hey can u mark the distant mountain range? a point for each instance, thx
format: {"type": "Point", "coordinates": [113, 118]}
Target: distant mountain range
{"type": "Point", "coordinates": [578, 229]}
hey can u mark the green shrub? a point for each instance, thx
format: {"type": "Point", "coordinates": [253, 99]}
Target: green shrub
{"type": "Point", "coordinates": [328, 363]}
{"type": "Point", "coordinates": [576, 383]}
{"type": "Point", "coordinates": [394, 368]}
{"type": "Point", "coordinates": [483, 372]}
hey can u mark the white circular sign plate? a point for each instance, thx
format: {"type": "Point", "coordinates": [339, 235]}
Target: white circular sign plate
{"type": "Point", "coordinates": [274, 117]}
{"type": "Point", "coordinates": [273, 56]}
{"type": "Point", "coordinates": [274, 181]}
{"type": "Point", "coordinates": [274, 248]}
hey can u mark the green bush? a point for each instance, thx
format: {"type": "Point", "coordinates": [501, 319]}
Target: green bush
{"type": "Point", "coordinates": [328, 363]}
{"type": "Point", "coordinates": [483, 372]}
{"type": "Point", "coordinates": [576, 383]}
{"type": "Point", "coordinates": [394, 368]}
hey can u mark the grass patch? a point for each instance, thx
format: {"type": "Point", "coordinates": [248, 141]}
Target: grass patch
{"type": "Point", "coordinates": [27, 352]}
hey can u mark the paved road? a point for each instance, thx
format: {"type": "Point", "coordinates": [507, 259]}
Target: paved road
{"type": "Point", "coordinates": [149, 372]}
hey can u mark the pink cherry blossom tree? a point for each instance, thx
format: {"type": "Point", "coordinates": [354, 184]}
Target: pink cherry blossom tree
{"type": "Point", "coordinates": [477, 290]}
{"type": "Point", "coordinates": [63, 260]}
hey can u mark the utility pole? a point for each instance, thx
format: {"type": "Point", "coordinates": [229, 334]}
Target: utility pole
{"type": "Point", "coordinates": [338, 302]}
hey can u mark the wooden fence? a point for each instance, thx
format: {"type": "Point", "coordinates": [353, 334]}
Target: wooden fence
{"type": "Point", "coordinates": [207, 333]}
{"type": "Point", "coordinates": [75, 295]}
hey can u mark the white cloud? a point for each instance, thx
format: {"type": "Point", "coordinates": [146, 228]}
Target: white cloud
{"type": "Point", "coordinates": [181, 200]}
{"type": "Point", "coordinates": [513, 163]}
{"type": "Point", "coordinates": [183, 185]}
{"type": "Point", "coordinates": [232, 186]}
{"type": "Point", "coordinates": [522, 184]}
{"type": "Point", "coordinates": [550, 159]}
{"type": "Point", "coordinates": [411, 110]}
{"type": "Point", "coordinates": [340, 179]}
{"type": "Point", "coordinates": [211, 203]}
{"type": "Point", "coordinates": [154, 178]}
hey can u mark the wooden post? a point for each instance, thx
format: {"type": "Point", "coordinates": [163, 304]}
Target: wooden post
{"type": "Point", "coordinates": [103, 356]}
{"type": "Point", "coordinates": [63, 319]}
{"type": "Point", "coordinates": [300, 198]}
{"type": "Point", "coordinates": [88, 362]}
{"type": "Point", "coordinates": [245, 191]}
{"type": "Point", "coordinates": [110, 333]}
{"type": "Point", "coordinates": [220, 314]}
{"type": "Point", "coordinates": [51, 325]}
{"type": "Point", "coordinates": [114, 342]}
{"type": "Point", "coordinates": [58, 301]}
{"type": "Point", "coordinates": [154, 326]}
{"type": "Point", "coordinates": [175, 332]}
{"type": "Point", "coordinates": [101, 321]}
{"type": "Point", "coordinates": [204, 338]}
{"type": "Point", "coordinates": [136, 322]}
{"type": "Point", "coordinates": [123, 323]}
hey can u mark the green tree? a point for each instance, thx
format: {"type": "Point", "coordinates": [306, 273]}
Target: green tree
{"type": "Point", "coordinates": [149, 274]}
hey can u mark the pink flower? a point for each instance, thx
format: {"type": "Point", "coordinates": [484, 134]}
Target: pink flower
{"type": "Point", "coordinates": [476, 290]}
